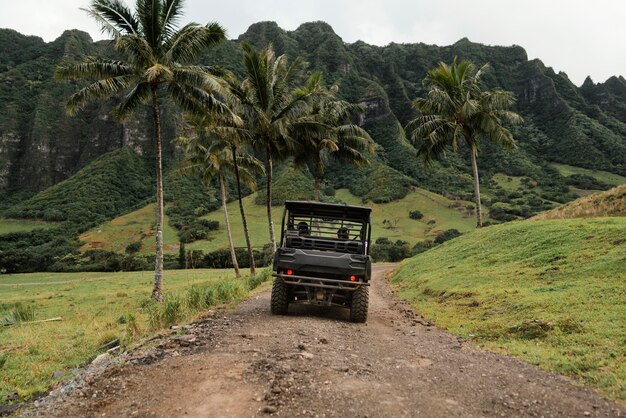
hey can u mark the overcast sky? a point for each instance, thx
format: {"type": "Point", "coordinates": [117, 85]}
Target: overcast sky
{"type": "Point", "coordinates": [578, 37]}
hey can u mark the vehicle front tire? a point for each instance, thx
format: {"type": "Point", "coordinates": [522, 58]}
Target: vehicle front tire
{"type": "Point", "coordinates": [280, 297]}
{"type": "Point", "coordinates": [359, 305]}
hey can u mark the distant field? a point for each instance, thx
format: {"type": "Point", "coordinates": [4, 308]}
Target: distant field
{"type": "Point", "coordinates": [8, 226]}
{"type": "Point", "coordinates": [442, 214]}
{"type": "Point", "coordinates": [608, 203]}
{"type": "Point", "coordinates": [508, 183]}
{"type": "Point", "coordinates": [116, 234]}
{"type": "Point", "coordinates": [604, 176]}
{"type": "Point", "coordinates": [95, 308]}
{"type": "Point", "coordinates": [551, 292]}
{"type": "Point", "coordinates": [434, 207]}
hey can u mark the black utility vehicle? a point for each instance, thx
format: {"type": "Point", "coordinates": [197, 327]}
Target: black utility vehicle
{"type": "Point", "coordinates": [323, 258]}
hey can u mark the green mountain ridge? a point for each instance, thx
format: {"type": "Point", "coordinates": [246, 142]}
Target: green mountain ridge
{"type": "Point", "coordinates": [582, 126]}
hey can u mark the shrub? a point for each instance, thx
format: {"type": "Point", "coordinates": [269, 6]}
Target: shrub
{"type": "Point", "coordinates": [447, 235]}
{"type": "Point", "coordinates": [422, 246]}
{"type": "Point", "coordinates": [133, 247]}
{"type": "Point", "coordinates": [583, 181]}
{"type": "Point", "coordinates": [416, 214]}
{"type": "Point", "coordinates": [384, 250]}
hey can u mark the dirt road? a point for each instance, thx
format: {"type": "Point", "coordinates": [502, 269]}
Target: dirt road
{"type": "Point", "coordinates": [315, 363]}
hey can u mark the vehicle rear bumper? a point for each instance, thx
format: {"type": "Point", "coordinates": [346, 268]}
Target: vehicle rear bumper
{"type": "Point", "coordinates": [321, 282]}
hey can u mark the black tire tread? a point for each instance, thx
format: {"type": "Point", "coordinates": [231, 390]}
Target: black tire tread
{"type": "Point", "coordinates": [359, 305]}
{"type": "Point", "coordinates": [280, 297]}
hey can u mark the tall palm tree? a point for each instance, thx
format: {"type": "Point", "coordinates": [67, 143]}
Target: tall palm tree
{"type": "Point", "coordinates": [233, 134]}
{"type": "Point", "coordinates": [157, 56]}
{"type": "Point", "coordinates": [209, 156]}
{"type": "Point", "coordinates": [273, 103]}
{"type": "Point", "coordinates": [327, 133]}
{"type": "Point", "coordinates": [457, 107]}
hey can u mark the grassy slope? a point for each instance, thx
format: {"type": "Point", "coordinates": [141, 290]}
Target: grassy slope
{"type": "Point", "coordinates": [508, 183]}
{"type": "Point", "coordinates": [116, 234]}
{"type": "Point", "coordinates": [550, 292]}
{"type": "Point", "coordinates": [90, 304]}
{"type": "Point", "coordinates": [432, 205]}
{"type": "Point", "coordinates": [8, 226]}
{"type": "Point", "coordinates": [110, 185]}
{"type": "Point", "coordinates": [603, 176]}
{"type": "Point", "coordinates": [609, 203]}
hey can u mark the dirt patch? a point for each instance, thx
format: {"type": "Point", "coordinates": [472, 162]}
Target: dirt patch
{"type": "Point", "coordinates": [313, 362]}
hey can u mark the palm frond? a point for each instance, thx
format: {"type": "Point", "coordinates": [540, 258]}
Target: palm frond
{"type": "Point", "coordinates": [137, 50]}
{"type": "Point", "coordinates": [258, 78]}
{"type": "Point", "coordinates": [98, 90]}
{"type": "Point", "coordinates": [94, 68]}
{"type": "Point", "coordinates": [191, 40]}
{"type": "Point", "coordinates": [149, 14]}
{"type": "Point", "coordinates": [193, 99]}
{"type": "Point", "coordinates": [138, 95]}
{"type": "Point", "coordinates": [170, 15]}
{"type": "Point", "coordinates": [114, 17]}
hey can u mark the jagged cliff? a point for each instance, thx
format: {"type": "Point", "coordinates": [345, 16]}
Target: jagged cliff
{"type": "Point", "coordinates": [40, 145]}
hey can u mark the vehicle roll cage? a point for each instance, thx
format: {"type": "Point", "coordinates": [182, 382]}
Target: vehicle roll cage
{"type": "Point", "coordinates": [326, 227]}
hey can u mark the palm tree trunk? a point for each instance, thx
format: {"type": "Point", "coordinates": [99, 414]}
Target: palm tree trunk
{"type": "Point", "coordinates": [318, 173]}
{"type": "Point", "coordinates": [479, 213]}
{"type": "Point", "coordinates": [157, 291]}
{"type": "Point", "coordinates": [227, 223]}
{"type": "Point", "coordinates": [269, 199]}
{"type": "Point", "coordinates": [317, 188]}
{"type": "Point", "coordinates": [243, 214]}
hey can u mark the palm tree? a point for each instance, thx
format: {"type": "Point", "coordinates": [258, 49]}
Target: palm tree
{"type": "Point", "coordinates": [231, 133]}
{"type": "Point", "coordinates": [273, 105]}
{"type": "Point", "coordinates": [157, 56]}
{"type": "Point", "coordinates": [457, 107]}
{"type": "Point", "coordinates": [328, 134]}
{"type": "Point", "coordinates": [207, 155]}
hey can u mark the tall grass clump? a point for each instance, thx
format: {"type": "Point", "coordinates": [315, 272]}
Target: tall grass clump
{"type": "Point", "coordinates": [20, 313]}
{"type": "Point", "coordinates": [229, 290]}
{"type": "Point", "coordinates": [256, 280]}
{"type": "Point", "coordinates": [166, 314]}
{"type": "Point", "coordinates": [195, 298]}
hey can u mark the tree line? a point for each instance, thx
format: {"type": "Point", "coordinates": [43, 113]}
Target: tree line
{"type": "Point", "coordinates": [241, 128]}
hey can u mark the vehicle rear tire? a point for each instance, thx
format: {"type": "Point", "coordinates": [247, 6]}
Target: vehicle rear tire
{"type": "Point", "coordinates": [280, 297]}
{"type": "Point", "coordinates": [359, 305]}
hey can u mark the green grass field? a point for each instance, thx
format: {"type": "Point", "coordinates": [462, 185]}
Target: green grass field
{"type": "Point", "coordinates": [603, 176]}
{"type": "Point", "coordinates": [96, 308]}
{"type": "Point", "coordinates": [550, 292]}
{"type": "Point", "coordinates": [445, 213]}
{"type": "Point", "coordinates": [508, 183]}
{"type": "Point", "coordinates": [439, 212]}
{"type": "Point", "coordinates": [116, 234]}
{"type": "Point", "coordinates": [434, 207]}
{"type": "Point", "coordinates": [8, 226]}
